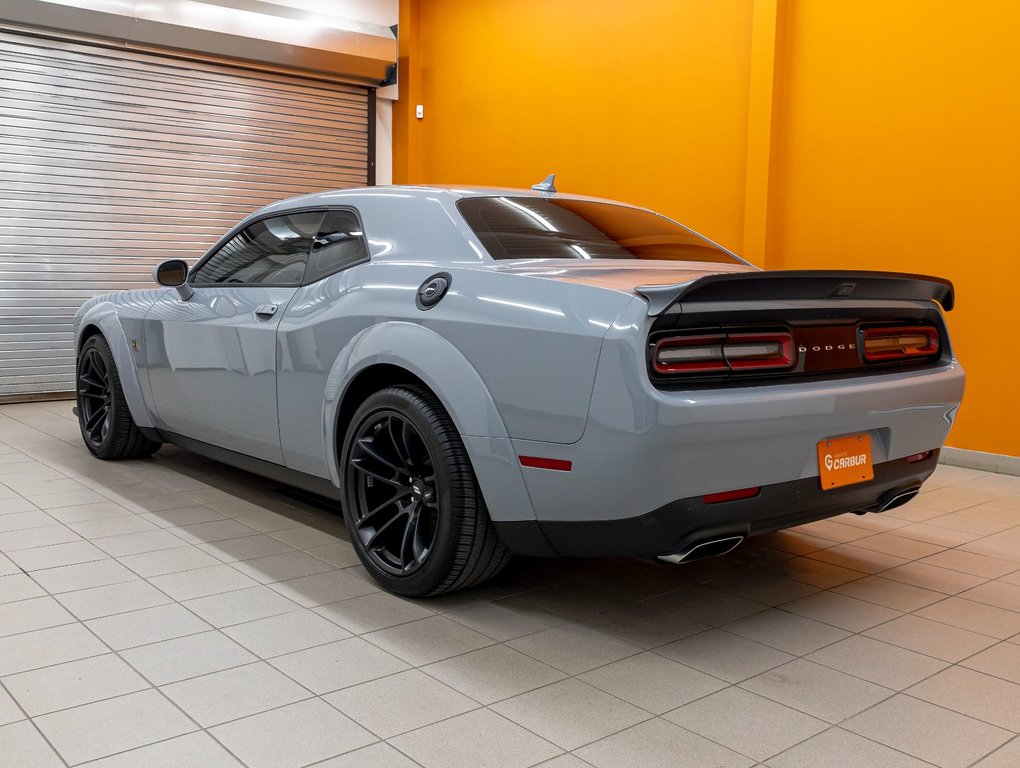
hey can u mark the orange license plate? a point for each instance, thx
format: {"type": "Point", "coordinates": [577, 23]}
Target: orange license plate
{"type": "Point", "coordinates": [845, 461]}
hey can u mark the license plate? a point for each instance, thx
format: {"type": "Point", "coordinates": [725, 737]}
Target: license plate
{"type": "Point", "coordinates": [845, 461]}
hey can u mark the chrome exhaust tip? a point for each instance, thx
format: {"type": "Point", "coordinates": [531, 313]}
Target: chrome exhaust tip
{"type": "Point", "coordinates": [707, 548]}
{"type": "Point", "coordinates": [898, 499]}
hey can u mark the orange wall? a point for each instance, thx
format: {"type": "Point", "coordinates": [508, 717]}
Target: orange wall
{"type": "Point", "coordinates": [869, 135]}
{"type": "Point", "coordinates": [897, 146]}
{"type": "Point", "coordinates": [647, 104]}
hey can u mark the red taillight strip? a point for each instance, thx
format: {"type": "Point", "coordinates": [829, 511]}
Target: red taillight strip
{"type": "Point", "coordinates": [741, 493]}
{"type": "Point", "coordinates": [785, 341]}
{"type": "Point", "coordinates": [720, 353]}
{"type": "Point", "coordinates": [902, 352]}
{"type": "Point", "coordinates": [707, 343]}
{"type": "Point", "coordinates": [541, 462]}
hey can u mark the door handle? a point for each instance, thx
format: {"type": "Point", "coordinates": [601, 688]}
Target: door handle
{"type": "Point", "coordinates": [266, 310]}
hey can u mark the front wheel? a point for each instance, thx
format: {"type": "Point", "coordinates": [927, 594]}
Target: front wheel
{"type": "Point", "coordinates": [411, 501]}
{"type": "Point", "coordinates": [106, 425]}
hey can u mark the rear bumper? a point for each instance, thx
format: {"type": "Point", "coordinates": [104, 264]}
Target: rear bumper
{"type": "Point", "coordinates": [677, 525]}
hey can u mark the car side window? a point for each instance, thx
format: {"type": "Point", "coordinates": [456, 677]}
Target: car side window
{"type": "Point", "coordinates": [271, 251]}
{"type": "Point", "coordinates": [339, 244]}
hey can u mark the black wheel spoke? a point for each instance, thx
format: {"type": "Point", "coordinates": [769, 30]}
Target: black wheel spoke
{"type": "Point", "coordinates": [94, 396]}
{"type": "Point", "coordinates": [393, 490]}
{"type": "Point", "coordinates": [95, 424]}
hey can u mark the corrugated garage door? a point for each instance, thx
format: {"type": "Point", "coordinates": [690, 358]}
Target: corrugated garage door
{"type": "Point", "coordinates": [112, 160]}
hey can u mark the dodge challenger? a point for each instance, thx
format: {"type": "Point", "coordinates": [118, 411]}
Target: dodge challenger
{"type": "Point", "coordinates": [472, 373]}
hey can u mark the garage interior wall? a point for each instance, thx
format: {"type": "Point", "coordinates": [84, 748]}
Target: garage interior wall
{"type": "Point", "coordinates": [866, 135]}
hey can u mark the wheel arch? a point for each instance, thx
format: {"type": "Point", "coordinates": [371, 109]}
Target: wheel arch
{"type": "Point", "coordinates": [102, 320]}
{"type": "Point", "coordinates": [405, 353]}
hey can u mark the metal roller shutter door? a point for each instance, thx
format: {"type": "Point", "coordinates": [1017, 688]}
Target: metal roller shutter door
{"type": "Point", "coordinates": [112, 160]}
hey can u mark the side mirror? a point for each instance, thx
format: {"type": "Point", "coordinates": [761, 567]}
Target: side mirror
{"type": "Point", "coordinates": [174, 274]}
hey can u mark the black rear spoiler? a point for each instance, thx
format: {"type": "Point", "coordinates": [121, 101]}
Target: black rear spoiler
{"type": "Point", "coordinates": [793, 285]}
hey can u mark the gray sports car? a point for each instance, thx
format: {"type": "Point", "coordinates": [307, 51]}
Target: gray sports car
{"type": "Point", "coordinates": [472, 373]}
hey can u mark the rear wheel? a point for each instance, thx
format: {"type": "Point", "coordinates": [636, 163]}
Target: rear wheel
{"type": "Point", "coordinates": [106, 424]}
{"type": "Point", "coordinates": [411, 501]}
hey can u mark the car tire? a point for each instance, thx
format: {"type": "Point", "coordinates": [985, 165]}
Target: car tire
{"type": "Point", "coordinates": [411, 501]}
{"type": "Point", "coordinates": [106, 425]}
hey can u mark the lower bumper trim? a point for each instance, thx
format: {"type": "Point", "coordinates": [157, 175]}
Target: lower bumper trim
{"type": "Point", "coordinates": [676, 527]}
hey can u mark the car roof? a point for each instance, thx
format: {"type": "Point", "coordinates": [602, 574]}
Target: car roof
{"type": "Point", "coordinates": [451, 192]}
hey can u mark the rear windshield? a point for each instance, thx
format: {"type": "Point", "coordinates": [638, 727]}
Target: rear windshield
{"type": "Point", "coordinates": [539, 228]}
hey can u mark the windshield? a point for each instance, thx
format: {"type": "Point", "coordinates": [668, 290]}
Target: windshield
{"type": "Point", "coordinates": [540, 228]}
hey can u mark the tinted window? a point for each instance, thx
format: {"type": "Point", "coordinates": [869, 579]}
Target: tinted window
{"type": "Point", "coordinates": [339, 244]}
{"type": "Point", "coordinates": [539, 228]}
{"type": "Point", "coordinates": [270, 252]}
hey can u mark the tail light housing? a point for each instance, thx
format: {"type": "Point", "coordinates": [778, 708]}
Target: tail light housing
{"type": "Point", "coordinates": [899, 343]}
{"type": "Point", "coordinates": [724, 352]}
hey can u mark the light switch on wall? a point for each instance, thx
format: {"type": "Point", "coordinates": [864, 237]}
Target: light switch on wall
{"type": "Point", "coordinates": [419, 111]}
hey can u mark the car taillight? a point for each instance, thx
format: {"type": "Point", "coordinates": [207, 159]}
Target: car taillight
{"type": "Point", "coordinates": [723, 352]}
{"type": "Point", "coordinates": [901, 343]}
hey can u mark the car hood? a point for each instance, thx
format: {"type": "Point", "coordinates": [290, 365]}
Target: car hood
{"type": "Point", "coordinates": [621, 275]}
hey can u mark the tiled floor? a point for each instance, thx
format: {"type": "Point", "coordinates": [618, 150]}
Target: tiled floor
{"type": "Point", "coordinates": [175, 612]}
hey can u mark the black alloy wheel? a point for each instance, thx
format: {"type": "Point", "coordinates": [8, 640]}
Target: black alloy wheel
{"type": "Point", "coordinates": [95, 397]}
{"type": "Point", "coordinates": [411, 501]}
{"type": "Point", "coordinates": [106, 424]}
{"type": "Point", "coordinates": [397, 496]}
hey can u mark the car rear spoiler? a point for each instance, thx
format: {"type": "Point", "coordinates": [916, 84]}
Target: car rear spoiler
{"type": "Point", "coordinates": [793, 285]}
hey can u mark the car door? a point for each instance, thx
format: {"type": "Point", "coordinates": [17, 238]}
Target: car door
{"type": "Point", "coordinates": [212, 359]}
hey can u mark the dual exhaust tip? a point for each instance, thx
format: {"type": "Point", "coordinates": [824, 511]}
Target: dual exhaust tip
{"type": "Point", "coordinates": [723, 544]}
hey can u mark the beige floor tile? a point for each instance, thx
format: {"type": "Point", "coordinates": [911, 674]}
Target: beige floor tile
{"type": "Point", "coordinates": [935, 534]}
{"type": "Point", "coordinates": [245, 548]}
{"type": "Point", "coordinates": [933, 578]}
{"type": "Point", "coordinates": [322, 588]}
{"type": "Point", "coordinates": [74, 683]}
{"type": "Point", "coordinates": [931, 733]}
{"type": "Point", "coordinates": [478, 739]}
{"type": "Point", "coordinates": [372, 704]}
{"type": "Point", "coordinates": [127, 544]}
{"type": "Point", "coordinates": [340, 553]}
{"type": "Point", "coordinates": [306, 537]}
{"type": "Point", "coordinates": [201, 582]}
{"type": "Point", "coordinates": [815, 572]}
{"type": "Point", "coordinates": [997, 593]}
{"type": "Point", "coordinates": [327, 668]}
{"type": "Point", "coordinates": [798, 542]}
{"type": "Point", "coordinates": [111, 526]}
{"type": "Point", "coordinates": [652, 682]}
{"type": "Point", "coordinates": [570, 713]}
{"type": "Point", "coordinates": [32, 538]}
{"type": "Point", "coordinates": [841, 611]}
{"type": "Point", "coordinates": [96, 602]}
{"type": "Point", "coordinates": [21, 745]}
{"type": "Point", "coordinates": [289, 565]}
{"type": "Point", "coordinates": [746, 723]}
{"type": "Point", "coordinates": [809, 687]}
{"type": "Point", "coordinates": [380, 755]}
{"type": "Point", "coordinates": [234, 693]}
{"type": "Point", "coordinates": [195, 749]}
{"type": "Point", "coordinates": [882, 663]}
{"type": "Point", "coordinates": [286, 633]}
{"type": "Point", "coordinates": [657, 744]}
{"type": "Point", "coordinates": [764, 588]}
{"type": "Point", "coordinates": [62, 498]}
{"type": "Point", "coordinates": [787, 632]}
{"type": "Point", "coordinates": [292, 736]}
{"type": "Point", "coordinates": [377, 610]}
{"type": "Point", "coordinates": [181, 658]}
{"type": "Point", "coordinates": [707, 605]}
{"type": "Point", "coordinates": [57, 555]}
{"type": "Point", "coordinates": [18, 586]}
{"type": "Point", "coordinates": [32, 650]}
{"type": "Point", "coordinates": [972, 563]}
{"type": "Point", "coordinates": [10, 712]}
{"type": "Point", "coordinates": [1001, 660]}
{"type": "Point", "coordinates": [889, 593]}
{"type": "Point", "coordinates": [20, 521]}
{"type": "Point", "coordinates": [977, 617]}
{"type": "Point", "coordinates": [428, 640]}
{"type": "Point", "coordinates": [183, 558]}
{"type": "Point", "coordinates": [900, 546]}
{"type": "Point", "coordinates": [931, 638]}
{"type": "Point", "coordinates": [149, 625]}
{"type": "Point", "coordinates": [211, 531]}
{"type": "Point", "coordinates": [32, 614]}
{"type": "Point", "coordinates": [725, 655]}
{"type": "Point", "coordinates": [175, 518]}
{"type": "Point", "coordinates": [493, 673]}
{"type": "Point", "coordinates": [858, 558]}
{"type": "Point", "coordinates": [836, 748]}
{"type": "Point", "coordinates": [573, 648]}
{"type": "Point", "coordinates": [502, 621]}
{"type": "Point", "coordinates": [114, 725]}
{"type": "Point", "coordinates": [833, 530]}
{"type": "Point", "coordinates": [975, 694]}
{"type": "Point", "coordinates": [1007, 756]}
{"type": "Point", "coordinates": [240, 606]}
